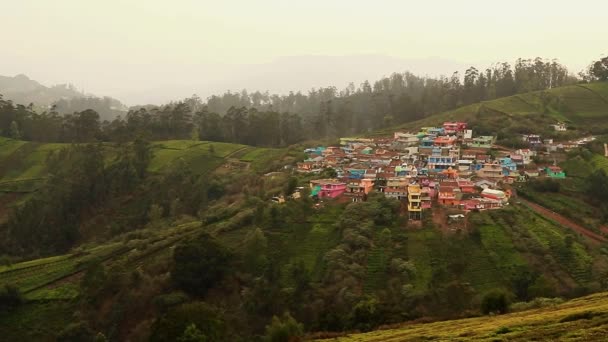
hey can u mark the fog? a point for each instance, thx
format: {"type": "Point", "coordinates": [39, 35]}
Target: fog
{"type": "Point", "coordinates": [155, 51]}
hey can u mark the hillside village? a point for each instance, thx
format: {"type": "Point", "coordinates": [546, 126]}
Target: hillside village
{"type": "Point", "coordinates": [445, 166]}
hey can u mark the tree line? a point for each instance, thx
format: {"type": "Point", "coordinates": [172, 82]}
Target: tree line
{"type": "Point", "coordinates": [263, 119]}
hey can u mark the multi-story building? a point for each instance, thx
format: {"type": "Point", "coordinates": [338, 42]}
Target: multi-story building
{"type": "Point", "coordinates": [490, 170]}
{"type": "Point", "coordinates": [414, 201]}
{"type": "Point", "coordinates": [396, 187]}
{"type": "Point", "coordinates": [327, 188]}
{"type": "Point", "coordinates": [454, 127]}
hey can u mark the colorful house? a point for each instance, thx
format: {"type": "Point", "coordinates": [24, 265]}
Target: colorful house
{"type": "Point", "coordinates": [483, 141]}
{"type": "Point", "coordinates": [481, 204]}
{"type": "Point", "coordinates": [490, 170]}
{"type": "Point", "coordinates": [466, 186]}
{"type": "Point", "coordinates": [357, 189]}
{"type": "Point", "coordinates": [555, 172]}
{"type": "Point", "coordinates": [438, 162]}
{"type": "Point", "coordinates": [508, 165]}
{"type": "Point", "coordinates": [449, 195]}
{"type": "Point", "coordinates": [396, 187]}
{"type": "Point", "coordinates": [327, 188]}
{"type": "Point", "coordinates": [454, 127]}
{"type": "Point", "coordinates": [414, 201]}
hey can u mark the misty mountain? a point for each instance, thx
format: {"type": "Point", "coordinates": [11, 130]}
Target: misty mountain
{"type": "Point", "coordinates": [22, 90]}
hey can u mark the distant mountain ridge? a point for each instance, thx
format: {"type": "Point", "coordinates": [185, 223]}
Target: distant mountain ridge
{"type": "Point", "coordinates": [22, 90]}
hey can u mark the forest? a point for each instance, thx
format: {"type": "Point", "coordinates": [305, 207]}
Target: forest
{"type": "Point", "coordinates": [263, 119]}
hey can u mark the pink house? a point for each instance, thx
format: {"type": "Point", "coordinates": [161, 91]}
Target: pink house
{"type": "Point", "coordinates": [327, 188]}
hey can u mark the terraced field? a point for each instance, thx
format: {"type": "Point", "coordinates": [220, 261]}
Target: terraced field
{"type": "Point", "coordinates": [37, 278]}
{"type": "Point", "coordinates": [582, 319]}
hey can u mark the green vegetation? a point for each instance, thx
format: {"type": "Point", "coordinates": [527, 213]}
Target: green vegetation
{"type": "Point", "coordinates": [582, 319]}
{"type": "Point", "coordinates": [582, 107]}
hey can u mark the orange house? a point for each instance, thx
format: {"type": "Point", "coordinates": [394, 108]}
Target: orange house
{"type": "Point", "coordinates": [449, 195]}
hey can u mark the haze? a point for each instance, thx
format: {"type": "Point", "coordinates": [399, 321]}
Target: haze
{"type": "Point", "coordinates": [156, 51]}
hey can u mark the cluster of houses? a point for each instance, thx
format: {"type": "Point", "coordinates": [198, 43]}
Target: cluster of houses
{"type": "Point", "coordinates": [444, 166]}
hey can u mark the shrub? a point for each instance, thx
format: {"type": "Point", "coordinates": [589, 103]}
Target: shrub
{"type": "Point", "coordinates": [10, 296]}
{"type": "Point", "coordinates": [496, 301]}
{"type": "Point", "coordinates": [284, 329]}
{"type": "Point", "coordinates": [200, 264]}
{"type": "Point", "coordinates": [503, 330]}
{"type": "Point", "coordinates": [578, 316]}
{"type": "Point", "coordinates": [188, 321]}
{"type": "Point", "coordinates": [76, 332]}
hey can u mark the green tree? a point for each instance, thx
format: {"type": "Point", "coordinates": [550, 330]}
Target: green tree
{"type": "Point", "coordinates": [10, 297]}
{"type": "Point", "coordinates": [142, 156]}
{"type": "Point", "coordinates": [599, 69]}
{"type": "Point", "coordinates": [290, 186]}
{"type": "Point", "coordinates": [199, 264]}
{"type": "Point", "coordinates": [195, 321]}
{"type": "Point", "coordinates": [495, 301]}
{"type": "Point", "coordinates": [192, 334]}
{"type": "Point", "coordinates": [14, 131]}
{"type": "Point", "coordinates": [255, 251]}
{"type": "Point", "coordinates": [155, 213]}
{"type": "Point", "coordinates": [365, 315]}
{"type": "Point", "coordinates": [284, 329]}
{"type": "Point", "coordinates": [94, 279]}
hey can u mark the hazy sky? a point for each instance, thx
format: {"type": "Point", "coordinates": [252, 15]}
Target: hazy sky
{"type": "Point", "coordinates": [145, 50]}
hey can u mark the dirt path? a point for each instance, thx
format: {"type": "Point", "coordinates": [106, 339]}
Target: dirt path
{"type": "Point", "coordinates": [596, 238]}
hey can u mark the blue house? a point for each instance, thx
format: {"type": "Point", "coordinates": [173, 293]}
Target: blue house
{"type": "Point", "coordinates": [508, 165]}
{"type": "Point", "coordinates": [356, 173]}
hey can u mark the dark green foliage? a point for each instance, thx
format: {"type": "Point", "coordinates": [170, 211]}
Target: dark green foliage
{"type": "Point", "coordinates": [10, 297]}
{"type": "Point", "coordinates": [94, 280]}
{"type": "Point", "coordinates": [597, 185]}
{"type": "Point", "coordinates": [579, 315]}
{"type": "Point", "coordinates": [545, 185]}
{"type": "Point", "coordinates": [503, 330]}
{"type": "Point", "coordinates": [199, 264]}
{"type": "Point", "coordinates": [179, 321]}
{"type": "Point", "coordinates": [76, 332]}
{"type": "Point", "coordinates": [599, 70]}
{"type": "Point", "coordinates": [290, 186]}
{"type": "Point", "coordinates": [80, 180]}
{"type": "Point", "coordinates": [496, 301]}
{"type": "Point", "coordinates": [366, 314]}
{"type": "Point", "coordinates": [192, 334]}
{"type": "Point", "coordinates": [284, 329]}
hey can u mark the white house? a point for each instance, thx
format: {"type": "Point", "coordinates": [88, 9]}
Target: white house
{"type": "Point", "coordinates": [560, 126]}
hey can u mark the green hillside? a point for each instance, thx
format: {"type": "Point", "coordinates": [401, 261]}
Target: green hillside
{"type": "Point", "coordinates": [24, 169]}
{"type": "Point", "coordinates": [583, 106]}
{"type": "Point", "coordinates": [582, 319]}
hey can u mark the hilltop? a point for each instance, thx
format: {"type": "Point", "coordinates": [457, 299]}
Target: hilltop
{"type": "Point", "coordinates": [24, 91]}
{"type": "Point", "coordinates": [584, 107]}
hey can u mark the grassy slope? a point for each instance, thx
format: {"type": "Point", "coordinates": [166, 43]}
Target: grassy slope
{"type": "Point", "coordinates": [582, 319]}
{"type": "Point", "coordinates": [584, 106]}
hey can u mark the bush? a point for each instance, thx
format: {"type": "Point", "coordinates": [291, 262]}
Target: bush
{"type": "Point", "coordinates": [503, 330]}
{"type": "Point", "coordinates": [10, 296]}
{"type": "Point", "coordinates": [285, 329]}
{"type": "Point", "coordinates": [496, 301]}
{"type": "Point", "coordinates": [188, 321]}
{"type": "Point", "coordinates": [536, 304]}
{"type": "Point", "coordinates": [76, 332]}
{"type": "Point", "coordinates": [578, 316]}
{"type": "Point", "coordinates": [200, 264]}
{"type": "Point", "coordinates": [545, 185]}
